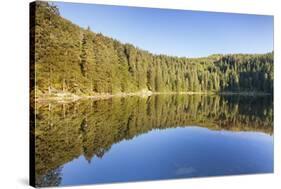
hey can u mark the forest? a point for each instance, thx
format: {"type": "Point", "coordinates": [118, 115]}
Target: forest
{"type": "Point", "coordinates": [75, 60]}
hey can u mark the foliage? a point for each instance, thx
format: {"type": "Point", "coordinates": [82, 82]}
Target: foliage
{"type": "Point", "coordinates": [76, 60]}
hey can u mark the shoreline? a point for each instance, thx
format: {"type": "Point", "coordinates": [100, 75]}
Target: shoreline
{"type": "Point", "coordinates": [68, 97]}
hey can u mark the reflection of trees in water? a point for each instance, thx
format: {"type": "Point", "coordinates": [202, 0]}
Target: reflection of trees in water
{"type": "Point", "coordinates": [64, 132]}
{"type": "Point", "coordinates": [50, 178]}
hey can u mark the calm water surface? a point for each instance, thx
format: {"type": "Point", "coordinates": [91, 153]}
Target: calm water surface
{"type": "Point", "coordinates": [157, 137]}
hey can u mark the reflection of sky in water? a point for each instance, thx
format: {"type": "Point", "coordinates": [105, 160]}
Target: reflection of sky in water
{"type": "Point", "coordinates": [175, 153]}
{"type": "Point", "coordinates": [185, 171]}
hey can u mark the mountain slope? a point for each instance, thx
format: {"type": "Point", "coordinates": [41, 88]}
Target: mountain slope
{"type": "Point", "coordinates": [71, 59]}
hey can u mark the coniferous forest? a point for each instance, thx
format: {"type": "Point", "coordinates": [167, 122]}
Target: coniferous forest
{"type": "Point", "coordinates": [110, 111]}
{"type": "Point", "coordinates": [79, 61]}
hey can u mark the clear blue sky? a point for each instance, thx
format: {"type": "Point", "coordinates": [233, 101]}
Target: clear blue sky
{"type": "Point", "coordinates": [176, 32]}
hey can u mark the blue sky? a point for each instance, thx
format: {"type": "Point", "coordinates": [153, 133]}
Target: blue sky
{"type": "Point", "coordinates": [176, 32]}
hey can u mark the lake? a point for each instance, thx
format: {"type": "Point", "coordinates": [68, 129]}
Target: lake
{"type": "Point", "coordinates": [152, 138]}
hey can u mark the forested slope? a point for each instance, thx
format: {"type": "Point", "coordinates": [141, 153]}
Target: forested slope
{"type": "Point", "coordinates": [71, 59]}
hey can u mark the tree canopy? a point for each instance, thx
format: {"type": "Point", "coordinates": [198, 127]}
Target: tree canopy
{"type": "Point", "coordinates": [72, 59]}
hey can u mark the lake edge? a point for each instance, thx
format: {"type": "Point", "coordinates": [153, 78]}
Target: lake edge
{"type": "Point", "coordinates": [71, 97]}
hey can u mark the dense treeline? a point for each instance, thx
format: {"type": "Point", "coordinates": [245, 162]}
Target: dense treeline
{"type": "Point", "coordinates": [76, 60]}
{"type": "Point", "coordinates": [90, 128]}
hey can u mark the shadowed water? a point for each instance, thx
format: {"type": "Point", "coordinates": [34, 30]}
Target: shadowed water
{"type": "Point", "coordinates": [156, 137]}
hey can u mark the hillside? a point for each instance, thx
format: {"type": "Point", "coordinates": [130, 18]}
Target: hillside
{"type": "Point", "coordinates": [74, 60]}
